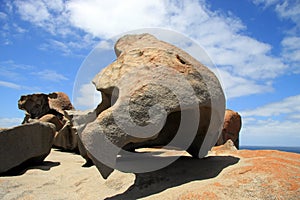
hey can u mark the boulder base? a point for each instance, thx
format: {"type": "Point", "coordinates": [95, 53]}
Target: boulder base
{"type": "Point", "coordinates": [25, 143]}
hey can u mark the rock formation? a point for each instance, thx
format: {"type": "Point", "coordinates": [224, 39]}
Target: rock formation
{"type": "Point", "coordinates": [154, 94]}
{"type": "Point", "coordinates": [25, 143]}
{"type": "Point", "coordinates": [231, 128]}
{"type": "Point", "coordinates": [50, 108]}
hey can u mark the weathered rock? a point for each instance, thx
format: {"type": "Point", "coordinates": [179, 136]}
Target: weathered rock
{"type": "Point", "coordinates": [66, 138]}
{"type": "Point", "coordinates": [79, 120]}
{"type": "Point", "coordinates": [50, 108]}
{"type": "Point", "coordinates": [228, 147]}
{"type": "Point", "coordinates": [38, 105]}
{"type": "Point", "coordinates": [25, 143]}
{"type": "Point", "coordinates": [52, 119]}
{"type": "Point", "coordinates": [59, 101]}
{"type": "Point", "coordinates": [35, 105]}
{"type": "Point", "coordinates": [231, 128]}
{"type": "Point", "coordinates": [154, 94]}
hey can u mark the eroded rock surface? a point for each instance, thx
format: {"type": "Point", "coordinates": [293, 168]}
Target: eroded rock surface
{"type": "Point", "coordinates": [231, 128]}
{"type": "Point", "coordinates": [50, 108]}
{"type": "Point", "coordinates": [25, 143]}
{"type": "Point", "coordinates": [154, 94]}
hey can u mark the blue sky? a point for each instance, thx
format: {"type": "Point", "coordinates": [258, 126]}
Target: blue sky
{"type": "Point", "coordinates": [254, 44]}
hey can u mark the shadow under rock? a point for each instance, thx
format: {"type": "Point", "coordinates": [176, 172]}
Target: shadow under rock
{"type": "Point", "coordinates": [24, 167]}
{"type": "Point", "coordinates": [183, 170]}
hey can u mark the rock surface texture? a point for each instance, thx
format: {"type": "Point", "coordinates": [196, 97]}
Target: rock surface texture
{"type": "Point", "coordinates": [231, 128]}
{"type": "Point", "coordinates": [25, 143]}
{"type": "Point", "coordinates": [51, 108]}
{"type": "Point", "coordinates": [154, 94]}
{"type": "Point", "coordinates": [225, 173]}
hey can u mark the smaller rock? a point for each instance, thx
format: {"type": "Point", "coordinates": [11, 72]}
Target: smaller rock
{"type": "Point", "coordinates": [228, 146]}
{"type": "Point", "coordinates": [78, 120]}
{"type": "Point", "coordinates": [30, 142]}
{"type": "Point", "coordinates": [38, 105]}
{"type": "Point", "coordinates": [35, 105]}
{"type": "Point", "coordinates": [50, 108]}
{"type": "Point", "coordinates": [231, 128]}
{"type": "Point", "coordinates": [52, 119]}
{"type": "Point", "coordinates": [66, 138]}
{"type": "Point", "coordinates": [224, 149]}
{"type": "Point", "coordinates": [59, 101]}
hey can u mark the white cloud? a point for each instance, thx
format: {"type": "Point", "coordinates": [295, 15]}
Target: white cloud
{"type": "Point", "coordinates": [18, 29]}
{"type": "Point", "coordinates": [266, 3]}
{"type": "Point", "coordinates": [106, 19]}
{"type": "Point", "coordinates": [69, 48]}
{"type": "Point", "coordinates": [50, 75]}
{"type": "Point", "coordinates": [12, 74]}
{"type": "Point", "coordinates": [236, 86]}
{"type": "Point", "coordinates": [105, 45]}
{"type": "Point", "coordinates": [19, 76]}
{"type": "Point", "coordinates": [55, 5]}
{"type": "Point", "coordinates": [54, 45]}
{"type": "Point", "coordinates": [87, 97]}
{"type": "Point", "coordinates": [277, 122]}
{"type": "Point", "coordinates": [2, 16]}
{"type": "Point", "coordinates": [271, 133]}
{"type": "Point", "coordinates": [53, 17]}
{"type": "Point", "coordinates": [222, 36]}
{"type": "Point", "coordinates": [15, 86]}
{"type": "Point", "coordinates": [288, 105]}
{"type": "Point", "coordinates": [34, 11]}
{"type": "Point", "coordinates": [10, 85]}
{"type": "Point", "coordinates": [288, 9]}
{"type": "Point", "coordinates": [291, 52]}
{"type": "Point", "coordinates": [14, 71]}
{"type": "Point", "coordinates": [291, 43]}
{"type": "Point", "coordinates": [10, 122]}
{"type": "Point", "coordinates": [49, 15]}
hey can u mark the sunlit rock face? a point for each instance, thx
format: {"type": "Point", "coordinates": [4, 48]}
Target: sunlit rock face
{"type": "Point", "coordinates": [231, 128]}
{"type": "Point", "coordinates": [154, 94]}
{"type": "Point", "coordinates": [50, 108]}
{"type": "Point", "coordinates": [29, 143]}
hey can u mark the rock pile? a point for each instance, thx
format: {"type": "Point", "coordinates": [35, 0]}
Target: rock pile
{"type": "Point", "coordinates": [153, 95]}
{"type": "Point", "coordinates": [50, 108]}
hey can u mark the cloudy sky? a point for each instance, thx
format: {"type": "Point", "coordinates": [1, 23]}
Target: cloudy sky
{"type": "Point", "coordinates": [254, 44]}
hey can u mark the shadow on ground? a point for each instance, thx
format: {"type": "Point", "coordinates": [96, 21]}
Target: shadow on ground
{"type": "Point", "coordinates": [23, 168]}
{"type": "Point", "coordinates": [183, 170]}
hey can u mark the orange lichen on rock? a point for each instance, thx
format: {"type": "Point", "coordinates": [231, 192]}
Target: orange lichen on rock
{"type": "Point", "coordinates": [224, 174]}
{"type": "Point", "coordinates": [198, 195]}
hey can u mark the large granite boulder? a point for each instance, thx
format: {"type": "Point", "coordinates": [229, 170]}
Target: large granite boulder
{"type": "Point", "coordinates": [154, 94]}
{"type": "Point", "coordinates": [231, 128]}
{"type": "Point", "coordinates": [30, 143]}
{"type": "Point", "coordinates": [50, 108]}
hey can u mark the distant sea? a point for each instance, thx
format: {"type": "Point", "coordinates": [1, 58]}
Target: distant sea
{"type": "Point", "coordinates": [287, 149]}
